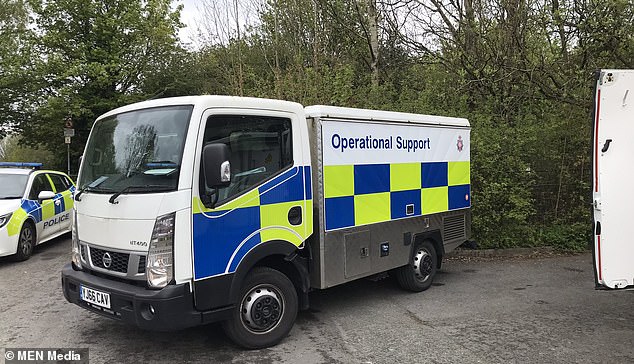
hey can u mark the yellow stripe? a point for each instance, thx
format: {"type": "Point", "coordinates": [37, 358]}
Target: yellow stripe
{"type": "Point", "coordinates": [17, 219]}
{"type": "Point", "coordinates": [48, 209]}
{"type": "Point", "coordinates": [249, 199]}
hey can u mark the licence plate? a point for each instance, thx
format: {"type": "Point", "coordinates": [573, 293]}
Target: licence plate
{"type": "Point", "coordinates": [95, 297]}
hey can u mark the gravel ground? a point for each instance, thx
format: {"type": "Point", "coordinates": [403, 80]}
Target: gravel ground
{"type": "Point", "coordinates": [540, 308]}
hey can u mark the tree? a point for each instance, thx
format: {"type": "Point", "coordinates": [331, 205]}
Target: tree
{"type": "Point", "coordinates": [16, 68]}
{"type": "Point", "coordinates": [96, 56]}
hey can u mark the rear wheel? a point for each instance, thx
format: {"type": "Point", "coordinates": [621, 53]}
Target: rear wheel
{"type": "Point", "coordinates": [26, 242]}
{"type": "Point", "coordinates": [266, 310]}
{"type": "Point", "coordinates": [419, 274]}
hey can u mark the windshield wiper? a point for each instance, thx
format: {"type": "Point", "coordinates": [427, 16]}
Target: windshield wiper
{"type": "Point", "coordinates": [148, 188]}
{"type": "Point", "coordinates": [90, 189]}
{"type": "Point", "coordinates": [10, 197]}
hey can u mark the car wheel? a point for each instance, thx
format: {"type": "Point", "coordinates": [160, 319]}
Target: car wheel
{"type": "Point", "coordinates": [266, 310]}
{"type": "Point", "coordinates": [419, 274]}
{"type": "Point", "coordinates": [26, 242]}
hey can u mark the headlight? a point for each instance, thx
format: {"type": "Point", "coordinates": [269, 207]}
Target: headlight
{"type": "Point", "coordinates": [160, 268]}
{"type": "Point", "coordinates": [4, 219]}
{"type": "Point", "coordinates": [75, 253]}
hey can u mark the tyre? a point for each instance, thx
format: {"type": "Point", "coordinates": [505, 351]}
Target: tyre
{"type": "Point", "coordinates": [26, 242]}
{"type": "Point", "coordinates": [265, 311]}
{"type": "Point", "coordinates": [419, 274]}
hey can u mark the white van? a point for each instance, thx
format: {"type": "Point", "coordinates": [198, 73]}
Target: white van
{"type": "Point", "coordinates": [198, 209]}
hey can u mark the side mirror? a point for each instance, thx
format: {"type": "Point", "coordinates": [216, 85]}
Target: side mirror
{"type": "Point", "coordinates": [216, 166]}
{"type": "Point", "coordinates": [46, 195]}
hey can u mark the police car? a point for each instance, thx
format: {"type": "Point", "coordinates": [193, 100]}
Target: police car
{"type": "Point", "coordinates": [35, 206]}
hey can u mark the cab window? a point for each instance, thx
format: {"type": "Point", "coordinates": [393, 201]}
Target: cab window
{"type": "Point", "coordinates": [40, 183]}
{"type": "Point", "coordinates": [59, 182]}
{"type": "Point", "coordinates": [260, 146]}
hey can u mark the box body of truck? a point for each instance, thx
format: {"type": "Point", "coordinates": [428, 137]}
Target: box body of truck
{"type": "Point", "coordinates": [199, 209]}
{"type": "Point", "coordinates": [612, 200]}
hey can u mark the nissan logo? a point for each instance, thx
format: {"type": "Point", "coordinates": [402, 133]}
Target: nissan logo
{"type": "Point", "coordinates": [107, 260]}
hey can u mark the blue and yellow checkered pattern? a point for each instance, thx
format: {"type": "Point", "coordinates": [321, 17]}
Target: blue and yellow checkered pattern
{"type": "Point", "coordinates": [223, 236]}
{"type": "Point", "coordinates": [366, 194]}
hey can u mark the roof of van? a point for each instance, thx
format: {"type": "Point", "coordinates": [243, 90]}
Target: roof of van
{"type": "Point", "coordinates": [353, 114]}
{"type": "Point", "coordinates": [209, 101]}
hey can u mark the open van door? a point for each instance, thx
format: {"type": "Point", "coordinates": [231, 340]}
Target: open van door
{"type": "Point", "coordinates": [613, 179]}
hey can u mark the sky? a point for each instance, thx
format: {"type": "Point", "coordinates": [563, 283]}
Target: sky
{"type": "Point", "coordinates": [190, 16]}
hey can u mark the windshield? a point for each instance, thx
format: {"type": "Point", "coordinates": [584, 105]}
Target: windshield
{"type": "Point", "coordinates": [138, 148]}
{"type": "Point", "coordinates": [13, 185]}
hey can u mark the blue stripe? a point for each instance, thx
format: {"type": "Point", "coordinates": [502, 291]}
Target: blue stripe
{"type": "Point", "coordinates": [289, 186]}
{"type": "Point", "coordinates": [32, 208]}
{"type": "Point", "coordinates": [308, 184]}
{"type": "Point", "coordinates": [371, 178]}
{"type": "Point", "coordinates": [339, 212]}
{"type": "Point", "coordinates": [215, 240]}
{"type": "Point", "coordinates": [399, 201]}
{"type": "Point", "coordinates": [59, 208]}
{"type": "Point", "coordinates": [434, 174]}
{"type": "Point", "coordinates": [459, 197]}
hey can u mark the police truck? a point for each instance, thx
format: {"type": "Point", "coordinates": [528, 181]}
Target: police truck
{"type": "Point", "coordinates": [199, 209]}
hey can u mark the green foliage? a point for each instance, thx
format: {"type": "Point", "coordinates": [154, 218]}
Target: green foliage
{"type": "Point", "coordinates": [96, 56]}
{"type": "Point", "coordinates": [521, 72]}
{"type": "Point", "coordinates": [13, 150]}
{"type": "Point", "coordinates": [570, 237]}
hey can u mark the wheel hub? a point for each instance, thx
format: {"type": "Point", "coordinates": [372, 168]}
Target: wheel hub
{"type": "Point", "coordinates": [262, 309]}
{"type": "Point", "coordinates": [423, 265]}
{"type": "Point", "coordinates": [26, 240]}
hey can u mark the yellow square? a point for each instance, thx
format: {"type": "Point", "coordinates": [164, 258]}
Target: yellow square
{"type": "Point", "coordinates": [458, 173]}
{"type": "Point", "coordinates": [435, 199]}
{"type": "Point", "coordinates": [338, 181]}
{"type": "Point", "coordinates": [275, 226]}
{"type": "Point", "coordinates": [371, 208]}
{"type": "Point", "coordinates": [405, 176]}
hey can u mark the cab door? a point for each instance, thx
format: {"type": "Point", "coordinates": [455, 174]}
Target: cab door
{"type": "Point", "coordinates": [612, 179]}
{"type": "Point", "coordinates": [44, 211]}
{"type": "Point", "coordinates": [268, 200]}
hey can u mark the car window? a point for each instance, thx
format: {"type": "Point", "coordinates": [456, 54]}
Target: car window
{"type": "Point", "coordinates": [60, 182]}
{"type": "Point", "coordinates": [40, 183]}
{"type": "Point", "coordinates": [260, 146]}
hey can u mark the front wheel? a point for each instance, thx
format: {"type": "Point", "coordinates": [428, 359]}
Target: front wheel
{"type": "Point", "coordinates": [419, 274]}
{"type": "Point", "coordinates": [266, 310]}
{"type": "Point", "coordinates": [26, 242]}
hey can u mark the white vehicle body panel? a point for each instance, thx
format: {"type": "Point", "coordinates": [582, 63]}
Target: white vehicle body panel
{"type": "Point", "coordinates": [612, 178]}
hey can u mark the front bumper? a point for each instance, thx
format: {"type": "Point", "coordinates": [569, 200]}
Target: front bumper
{"type": "Point", "coordinates": [8, 244]}
{"type": "Point", "coordinates": [173, 305]}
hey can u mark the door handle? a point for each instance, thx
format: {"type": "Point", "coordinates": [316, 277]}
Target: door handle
{"type": "Point", "coordinates": [58, 202]}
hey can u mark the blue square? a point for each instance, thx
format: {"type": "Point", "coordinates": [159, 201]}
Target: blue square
{"type": "Point", "coordinates": [399, 201]}
{"type": "Point", "coordinates": [459, 197]}
{"type": "Point", "coordinates": [434, 174]}
{"type": "Point", "coordinates": [339, 212]}
{"type": "Point", "coordinates": [371, 178]}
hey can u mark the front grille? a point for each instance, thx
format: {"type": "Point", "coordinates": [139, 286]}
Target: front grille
{"type": "Point", "coordinates": [454, 227]}
{"type": "Point", "coordinates": [119, 260]}
{"type": "Point", "coordinates": [141, 268]}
